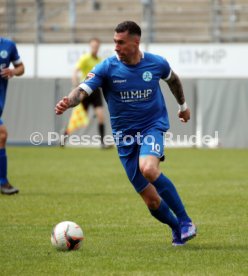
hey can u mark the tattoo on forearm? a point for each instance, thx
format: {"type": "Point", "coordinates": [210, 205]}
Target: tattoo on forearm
{"type": "Point", "coordinates": [76, 96]}
{"type": "Point", "coordinates": [176, 88]}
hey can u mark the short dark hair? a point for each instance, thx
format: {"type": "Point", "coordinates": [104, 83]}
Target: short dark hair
{"type": "Point", "coordinates": [130, 26]}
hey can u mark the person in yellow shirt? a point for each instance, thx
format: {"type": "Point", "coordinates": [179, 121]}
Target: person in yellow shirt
{"type": "Point", "coordinates": [84, 65]}
{"type": "Point", "coordinates": [86, 62]}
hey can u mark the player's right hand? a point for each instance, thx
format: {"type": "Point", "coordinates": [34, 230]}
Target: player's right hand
{"type": "Point", "coordinates": [7, 73]}
{"type": "Point", "coordinates": [62, 106]}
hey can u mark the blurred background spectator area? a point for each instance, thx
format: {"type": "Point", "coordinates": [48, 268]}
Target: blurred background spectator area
{"type": "Point", "coordinates": [170, 21]}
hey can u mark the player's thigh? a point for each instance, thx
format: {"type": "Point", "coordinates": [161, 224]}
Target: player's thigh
{"type": "Point", "coordinates": [96, 98]}
{"type": "Point", "coordinates": [85, 103]}
{"type": "Point", "coordinates": [152, 143]}
{"type": "Point", "coordinates": [151, 153]}
{"type": "Point", "coordinates": [129, 156]}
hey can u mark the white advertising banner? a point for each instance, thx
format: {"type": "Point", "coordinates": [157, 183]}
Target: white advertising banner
{"type": "Point", "coordinates": [59, 60]}
{"type": "Point", "coordinates": [206, 60]}
{"type": "Point", "coordinates": [188, 60]}
{"type": "Point", "coordinates": [26, 52]}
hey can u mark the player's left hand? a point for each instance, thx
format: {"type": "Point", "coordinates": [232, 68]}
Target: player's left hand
{"type": "Point", "coordinates": [184, 116]}
{"type": "Point", "coordinates": [7, 73]}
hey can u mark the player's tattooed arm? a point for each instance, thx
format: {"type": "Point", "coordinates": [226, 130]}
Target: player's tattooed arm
{"type": "Point", "coordinates": [176, 88]}
{"type": "Point", "coordinates": [73, 99]}
{"type": "Point", "coordinates": [76, 96]}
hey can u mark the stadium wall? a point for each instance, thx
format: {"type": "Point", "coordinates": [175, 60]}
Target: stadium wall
{"type": "Point", "coordinates": [219, 112]}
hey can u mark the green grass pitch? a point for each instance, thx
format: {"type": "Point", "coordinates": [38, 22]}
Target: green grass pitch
{"type": "Point", "coordinates": [89, 186]}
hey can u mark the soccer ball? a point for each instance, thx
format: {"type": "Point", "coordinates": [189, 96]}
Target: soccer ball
{"type": "Point", "coordinates": [67, 235]}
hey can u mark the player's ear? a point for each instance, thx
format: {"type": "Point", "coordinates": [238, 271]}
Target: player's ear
{"type": "Point", "coordinates": [136, 40]}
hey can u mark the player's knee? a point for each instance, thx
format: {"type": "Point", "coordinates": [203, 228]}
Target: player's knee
{"type": "Point", "coordinates": [149, 171]}
{"type": "Point", "coordinates": [3, 136]}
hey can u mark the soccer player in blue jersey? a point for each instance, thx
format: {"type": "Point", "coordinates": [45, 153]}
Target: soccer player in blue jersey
{"type": "Point", "coordinates": [8, 54]}
{"type": "Point", "coordinates": [130, 83]}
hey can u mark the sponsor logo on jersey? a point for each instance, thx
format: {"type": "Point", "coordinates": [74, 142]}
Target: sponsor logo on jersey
{"type": "Point", "coordinates": [135, 95]}
{"type": "Point", "coordinates": [90, 76]}
{"type": "Point", "coordinates": [119, 81]}
{"type": "Point", "coordinates": [3, 54]}
{"type": "Point", "coordinates": [147, 76]}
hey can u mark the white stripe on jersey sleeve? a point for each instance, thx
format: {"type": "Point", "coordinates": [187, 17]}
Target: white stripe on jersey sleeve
{"type": "Point", "coordinates": [18, 61]}
{"type": "Point", "coordinates": [86, 88]}
{"type": "Point", "coordinates": [169, 76]}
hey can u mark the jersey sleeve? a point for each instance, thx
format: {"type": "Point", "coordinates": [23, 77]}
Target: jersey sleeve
{"type": "Point", "coordinates": [95, 78]}
{"type": "Point", "coordinates": [166, 69]}
{"type": "Point", "coordinates": [14, 55]}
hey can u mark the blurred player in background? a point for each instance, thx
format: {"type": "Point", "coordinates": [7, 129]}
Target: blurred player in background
{"type": "Point", "coordinates": [130, 83]}
{"type": "Point", "coordinates": [84, 65]}
{"type": "Point", "coordinates": [8, 54]}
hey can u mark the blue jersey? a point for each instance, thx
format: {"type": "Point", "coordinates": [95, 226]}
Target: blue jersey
{"type": "Point", "coordinates": [132, 92]}
{"type": "Point", "coordinates": [8, 54]}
